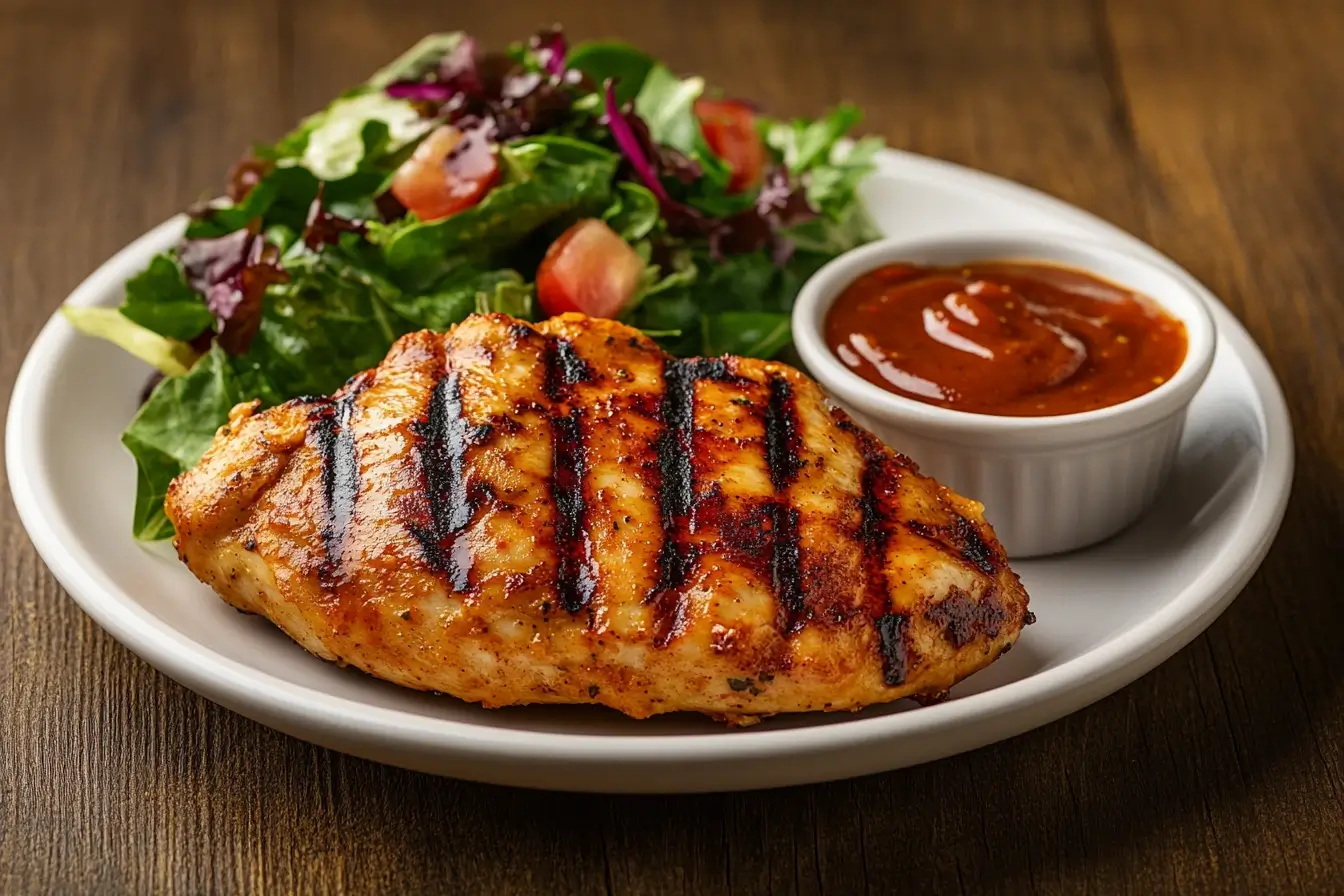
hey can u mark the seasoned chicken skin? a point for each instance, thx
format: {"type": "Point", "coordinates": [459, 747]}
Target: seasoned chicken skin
{"type": "Point", "coordinates": [513, 513]}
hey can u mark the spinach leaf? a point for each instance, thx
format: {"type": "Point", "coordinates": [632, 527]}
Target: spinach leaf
{"type": "Point", "coordinates": [601, 60]}
{"type": "Point", "coordinates": [464, 291]}
{"type": "Point", "coordinates": [634, 211]}
{"type": "Point", "coordinates": [172, 430]}
{"type": "Point", "coordinates": [740, 282]}
{"type": "Point", "coordinates": [509, 296]}
{"type": "Point", "coordinates": [755, 334]}
{"type": "Point", "coordinates": [159, 299]}
{"type": "Point", "coordinates": [282, 196]}
{"type": "Point", "coordinates": [332, 319]}
{"type": "Point", "coordinates": [685, 300]}
{"type": "Point", "coordinates": [681, 273]}
{"type": "Point", "coordinates": [674, 311]}
{"type": "Point", "coordinates": [520, 160]}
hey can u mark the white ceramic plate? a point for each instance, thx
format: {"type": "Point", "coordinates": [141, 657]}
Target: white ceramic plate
{"type": "Point", "coordinates": [1106, 615]}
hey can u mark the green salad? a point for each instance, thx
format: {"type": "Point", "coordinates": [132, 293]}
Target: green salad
{"type": "Point", "coordinates": [530, 181]}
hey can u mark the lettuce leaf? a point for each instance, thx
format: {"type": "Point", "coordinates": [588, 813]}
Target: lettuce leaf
{"type": "Point", "coordinates": [804, 144]}
{"type": "Point", "coordinates": [339, 142]}
{"type": "Point", "coordinates": [600, 60]}
{"type": "Point", "coordinates": [169, 356]}
{"type": "Point", "coordinates": [812, 149]}
{"type": "Point", "coordinates": [512, 297]}
{"type": "Point", "coordinates": [755, 334]}
{"type": "Point", "coordinates": [173, 429]}
{"type": "Point", "coordinates": [418, 60]}
{"type": "Point", "coordinates": [666, 103]}
{"type": "Point", "coordinates": [326, 140]}
{"type": "Point", "coordinates": [159, 299]}
{"type": "Point", "coordinates": [634, 211]}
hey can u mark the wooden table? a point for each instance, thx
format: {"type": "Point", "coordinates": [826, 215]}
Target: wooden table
{"type": "Point", "coordinates": [1210, 128]}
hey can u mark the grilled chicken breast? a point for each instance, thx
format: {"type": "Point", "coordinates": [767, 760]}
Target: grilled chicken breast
{"type": "Point", "coordinates": [561, 513]}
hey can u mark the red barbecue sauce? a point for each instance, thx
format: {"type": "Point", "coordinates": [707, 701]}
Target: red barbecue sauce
{"type": "Point", "coordinates": [1013, 339]}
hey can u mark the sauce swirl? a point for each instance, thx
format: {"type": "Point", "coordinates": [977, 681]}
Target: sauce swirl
{"type": "Point", "coordinates": [1016, 339]}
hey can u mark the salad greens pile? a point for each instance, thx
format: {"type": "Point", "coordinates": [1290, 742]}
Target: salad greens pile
{"type": "Point", "coordinates": [312, 267]}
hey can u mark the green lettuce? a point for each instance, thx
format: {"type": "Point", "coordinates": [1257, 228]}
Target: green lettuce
{"type": "Point", "coordinates": [159, 299]}
{"type": "Point", "coordinates": [169, 356]}
{"type": "Point", "coordinates": [174, 427]}
{"type": "Point", "coordinates": [601, 60]}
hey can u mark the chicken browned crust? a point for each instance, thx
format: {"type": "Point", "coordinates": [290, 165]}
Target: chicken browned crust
{"type": "Point", "coordinates": [517, 513]}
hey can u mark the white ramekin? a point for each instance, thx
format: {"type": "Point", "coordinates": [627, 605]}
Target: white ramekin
{"type": "Point", "coordinates": [1048, 484]}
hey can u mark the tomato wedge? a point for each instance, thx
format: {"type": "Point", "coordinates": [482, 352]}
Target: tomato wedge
{"type": "Point", "coordinates": [449, 171]}
{"type": "Point", "coordinates": [729, 127]}
{"type": "Point", "coordinates": [589, 269]}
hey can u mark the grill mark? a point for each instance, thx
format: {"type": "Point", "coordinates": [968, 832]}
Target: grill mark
{"type": "Point", "coordinates": [340, 477]}
{"type": "Point", "coordinates": [874, 536]}
{"type": "Point", "coordinates": [786, 568]}
{"type": "Point", "coordinates": [783, 449]}
{"type": "Point", "coordinates": [575, 578]}
{"type": "Point", "coordinates": [962, 535]}
{"type": "Point", "coordinates": [445, 437]}
{"type": "Point", "coordinates": [972, 546]}
{"type": "Point", "coordinates": [565, 368]}
{"type": "Point", "coordinates": [677, 558]}
{"type": "Point", "coordinates": [962, 619]}
{"type": "Point", "coordinates": [575, 572]}
{"type": "Point", "coordinates": [891, 632]}
{"type": "Point", "coordinates": [783, 445]}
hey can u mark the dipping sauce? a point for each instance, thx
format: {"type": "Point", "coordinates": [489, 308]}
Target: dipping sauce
{"type": "Point", "coordinates": [1014, 339]}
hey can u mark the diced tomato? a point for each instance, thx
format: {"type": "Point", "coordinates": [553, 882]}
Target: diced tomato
{"type": "Point", "coordinates": [729, 127]}
{"type": "Point", "coordinates": [448, 172]}
{"type": "Point", "coordinates": [589, 269]}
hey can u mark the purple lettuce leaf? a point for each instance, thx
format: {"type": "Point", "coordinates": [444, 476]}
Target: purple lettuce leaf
{"type": "Point", "coordinates": [323, 228]}
{"type": "Point", "coordinates": [630, 143]}
{"type": "Point", "coordinates": [232, 272]}
{"type": "Point", "coordinates": [421, 91]}
{"type": "Point", "coordinates": [469, 86]}
{"type": "Point", "coordinates": [206, 262]}
{"type": "Point", "coordinates": [457, 73]}
{"type": "Point", "coordinates": [779, 205]}
{"type": "Point", "coordinates": [550, 47]}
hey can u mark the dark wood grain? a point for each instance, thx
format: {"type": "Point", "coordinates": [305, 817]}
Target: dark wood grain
{"type": "Point", "coordinates": [1210, 128]}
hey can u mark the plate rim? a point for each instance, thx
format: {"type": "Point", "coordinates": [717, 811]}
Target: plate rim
{"type": "Point", "coordinates": [1036, 700]}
